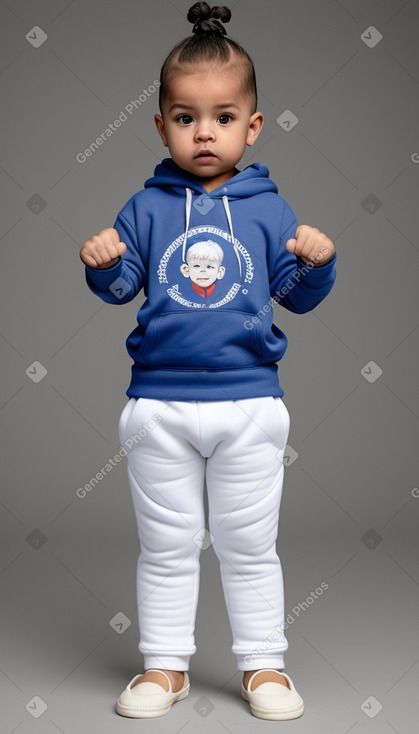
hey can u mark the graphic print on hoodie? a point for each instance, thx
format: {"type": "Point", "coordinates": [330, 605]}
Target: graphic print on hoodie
{"type": "Point", "coordinates": [204, 253]}
{"type": "Point", "coordinates": [203, 267]}
{"type": "Point", "coordinates": [210, 265]}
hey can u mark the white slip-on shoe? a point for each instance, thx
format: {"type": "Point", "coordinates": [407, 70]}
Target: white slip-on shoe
{"type": "Point", "coordinates": [148, 699]}
{"type": "Point", "coordinates": [274, 700]}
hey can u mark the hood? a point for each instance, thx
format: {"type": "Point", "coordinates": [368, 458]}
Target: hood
{"type": "Point", "coordinates": [252, 180]}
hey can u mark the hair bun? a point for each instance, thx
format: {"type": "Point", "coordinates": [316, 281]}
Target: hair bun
{"type": "Point", "coordinates": [207, 20]}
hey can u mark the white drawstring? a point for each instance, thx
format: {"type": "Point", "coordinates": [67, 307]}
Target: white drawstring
{"type": "Point", "coordinates": [230, 224]}
{"type": "Point", "coordinates": [188, 206]}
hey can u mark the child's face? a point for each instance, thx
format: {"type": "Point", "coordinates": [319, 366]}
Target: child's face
{"type": "Point", "coordinates": [206, 111]}
{"type": "Point", "coordinates": [203, 272]}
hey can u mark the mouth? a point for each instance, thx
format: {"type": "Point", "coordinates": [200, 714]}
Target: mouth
{"type": "Point", "coordinates": [205, 155]}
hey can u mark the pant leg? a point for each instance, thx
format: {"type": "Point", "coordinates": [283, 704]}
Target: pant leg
{"type": "Point", "coordinates": [244, 482]}
{"type": "Point", "coordinates": [166, 475]}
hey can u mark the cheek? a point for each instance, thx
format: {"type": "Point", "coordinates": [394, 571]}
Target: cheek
{"type": "Point", "coordinates": [235, 142]}
{"type": "Point", "coordinates": [178, 141]}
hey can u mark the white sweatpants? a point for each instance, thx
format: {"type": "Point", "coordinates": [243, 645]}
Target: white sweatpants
{"type": "Point", "coordinates": [237, 446]}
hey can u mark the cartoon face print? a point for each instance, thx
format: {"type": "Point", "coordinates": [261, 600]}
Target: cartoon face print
{"type": "Point", "coordinates": [204, 263]}
{"type": "Point", "coordinates": [195, 276]}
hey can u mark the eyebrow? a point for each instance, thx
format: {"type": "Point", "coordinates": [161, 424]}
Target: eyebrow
{"type": "Point", "coordinates": [223, 105]}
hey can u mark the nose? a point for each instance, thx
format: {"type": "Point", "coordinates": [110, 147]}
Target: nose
{"type": "Point", "coordinates": [204, 131]}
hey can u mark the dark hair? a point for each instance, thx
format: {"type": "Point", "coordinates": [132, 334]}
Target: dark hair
{"type": "Point", "coordinates": [208, 44]}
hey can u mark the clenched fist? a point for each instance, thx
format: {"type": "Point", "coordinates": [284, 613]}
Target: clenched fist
{"type": "Point", "coordinates": [311, 245]}
{"type": "Point", "coordinates": [103, 249]}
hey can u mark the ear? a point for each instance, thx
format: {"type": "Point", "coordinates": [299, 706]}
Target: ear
{"type": "Point", "coordinates": [255, 126]}
{"type": "Point", "coordinates": [158, 119]}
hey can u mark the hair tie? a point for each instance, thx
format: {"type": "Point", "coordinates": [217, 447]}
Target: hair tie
{"type": "Point", "coordinates": [209, 20]}
{"type": "Point", "coordinates": [217, 27]}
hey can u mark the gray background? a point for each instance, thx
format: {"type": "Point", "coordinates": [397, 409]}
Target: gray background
{"type": "Point", "coordinates": [350, 505]}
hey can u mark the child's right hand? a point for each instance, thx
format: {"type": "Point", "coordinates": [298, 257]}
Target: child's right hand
{"type": "Point", "coordinates": [103, 249]}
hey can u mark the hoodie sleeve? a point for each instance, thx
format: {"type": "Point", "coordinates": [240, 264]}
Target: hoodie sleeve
{"type": "Point", "coordinates": [122, 282]}
{"type": "Point", "coordinates": [293, 284]}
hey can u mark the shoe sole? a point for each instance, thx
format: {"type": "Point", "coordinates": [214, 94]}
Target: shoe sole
{"type": "Point", "coordinates": [148, 713]}
{"type": "Point", "coordinates": [273, 715]}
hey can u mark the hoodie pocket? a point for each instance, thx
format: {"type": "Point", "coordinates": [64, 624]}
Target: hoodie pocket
{"type": "Point", "coordinates": [201, 339]}
{"type": "Point", "coordinates": [271, 341]}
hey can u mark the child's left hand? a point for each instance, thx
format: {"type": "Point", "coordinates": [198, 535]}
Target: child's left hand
{"type": "Point", "coordinates": [311, 245]}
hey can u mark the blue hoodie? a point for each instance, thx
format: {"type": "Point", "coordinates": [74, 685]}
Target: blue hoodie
{"type": "Point", "coordinates": [213, 267]}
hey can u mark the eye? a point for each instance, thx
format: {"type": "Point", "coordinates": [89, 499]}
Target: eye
{"type": "Point", "coordinates": [224, 118]}
{"type": "Point", "coordinates": [185, 119]}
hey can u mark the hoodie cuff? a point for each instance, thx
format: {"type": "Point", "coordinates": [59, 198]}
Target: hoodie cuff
{"type": "Point", "coordinates": [102, 278]}
{"type": "Point", "coordinates": [319, 277]}
{"type": "Point", "coordinates": [321, 265]}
